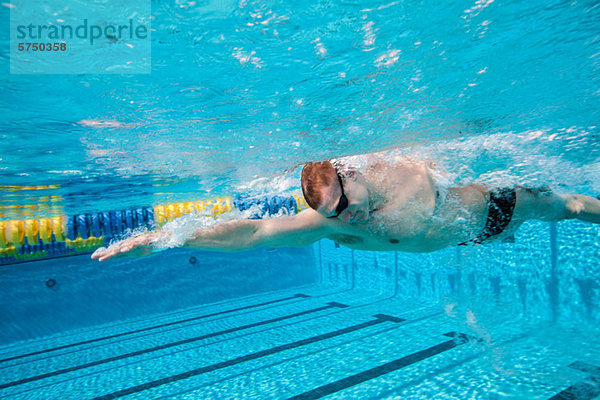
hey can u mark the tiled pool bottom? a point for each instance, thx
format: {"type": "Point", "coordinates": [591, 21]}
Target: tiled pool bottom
{"type": "Point", "coordinates": [307, 343]}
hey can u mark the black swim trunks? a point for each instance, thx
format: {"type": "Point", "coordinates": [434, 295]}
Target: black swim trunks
{"type": "Point", "coordinates": [500, 211]}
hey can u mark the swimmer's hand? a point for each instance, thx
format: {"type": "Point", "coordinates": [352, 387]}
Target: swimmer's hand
{"type": "Point", "coordinates": [137, 246]}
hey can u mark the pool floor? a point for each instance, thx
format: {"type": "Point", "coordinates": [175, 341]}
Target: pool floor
{"type": "Point", "coordinates": [306, 343]}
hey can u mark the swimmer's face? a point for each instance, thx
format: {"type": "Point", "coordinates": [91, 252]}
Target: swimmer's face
{"type": "Point", "coordinates": [356, 194]}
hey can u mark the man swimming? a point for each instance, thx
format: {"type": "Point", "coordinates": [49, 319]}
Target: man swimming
{"type": "Point", "coordinates": [390, 206]}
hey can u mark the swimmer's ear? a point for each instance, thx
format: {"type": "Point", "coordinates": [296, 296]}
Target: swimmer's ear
{"type": "Point", "coordinates": [351, 174]}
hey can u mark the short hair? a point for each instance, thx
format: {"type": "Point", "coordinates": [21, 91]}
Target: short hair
{"type": "Point", "coordinates": [315, 176]}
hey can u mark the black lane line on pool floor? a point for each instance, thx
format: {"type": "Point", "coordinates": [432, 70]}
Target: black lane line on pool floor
{"type": "Point", "coordinates": [585, 390]}
{"type": "Point", "coordinates": [379, 319]}
{"type": "Point", "coordinates": [339, 385]}
{"type": "Point", "coordinates": [329, 305]}
{"type": "Point", "coordinates": [298, 295]}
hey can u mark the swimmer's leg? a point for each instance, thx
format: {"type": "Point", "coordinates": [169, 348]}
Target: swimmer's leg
{"type": "Point", "coordinates": [582, 207]}
{"type": "Point", "coordinates": [545, 205]}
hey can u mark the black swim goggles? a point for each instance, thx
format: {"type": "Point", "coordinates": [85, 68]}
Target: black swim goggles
{"type": "Point", "coordinates": [343, 203]}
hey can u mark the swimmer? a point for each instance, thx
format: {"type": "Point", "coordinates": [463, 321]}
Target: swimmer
{"type": "Point", "coordinates": [389, 206]}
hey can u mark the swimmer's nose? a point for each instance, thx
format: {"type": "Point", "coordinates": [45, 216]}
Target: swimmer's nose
{"type": "Point", "coordinates": [361, 217]}
{"type": "Point", "coordinates": [353, 216]}
{"type": "Point", "coordinates": [347, 215]}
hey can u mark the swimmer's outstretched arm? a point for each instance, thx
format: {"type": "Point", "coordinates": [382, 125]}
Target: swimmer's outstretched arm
{"type": "Point", "coordinates": [301, 229]}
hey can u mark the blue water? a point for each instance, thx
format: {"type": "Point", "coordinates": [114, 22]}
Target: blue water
{"type": "Point", "coordinates": [246, 90]}
{"type": "Point", "coordinates": [241, 93]}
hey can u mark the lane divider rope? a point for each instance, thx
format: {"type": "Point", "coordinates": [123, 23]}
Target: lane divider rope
{"type": "Point", "coordinates": [59, 236]}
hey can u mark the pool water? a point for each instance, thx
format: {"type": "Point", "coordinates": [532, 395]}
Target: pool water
{"type": "Point", "coordinates": [243, 92]}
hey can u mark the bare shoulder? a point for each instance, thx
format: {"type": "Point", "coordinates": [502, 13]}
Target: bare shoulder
{"type": "Point", "coordinates": [377, 163]}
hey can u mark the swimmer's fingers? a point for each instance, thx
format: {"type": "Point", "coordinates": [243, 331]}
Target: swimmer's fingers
{"type": "Point", "coordinates": [121, 248]}
{"type": "Point", "coordinates": [104, 253]}
{"type": "Point", "coordinates": [99, 252]}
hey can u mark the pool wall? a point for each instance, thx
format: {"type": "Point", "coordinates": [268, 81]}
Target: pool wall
{"type": "Point", "coordinates": [50, 296]}
{"type": "Point", "coordinates": [551, 271]}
